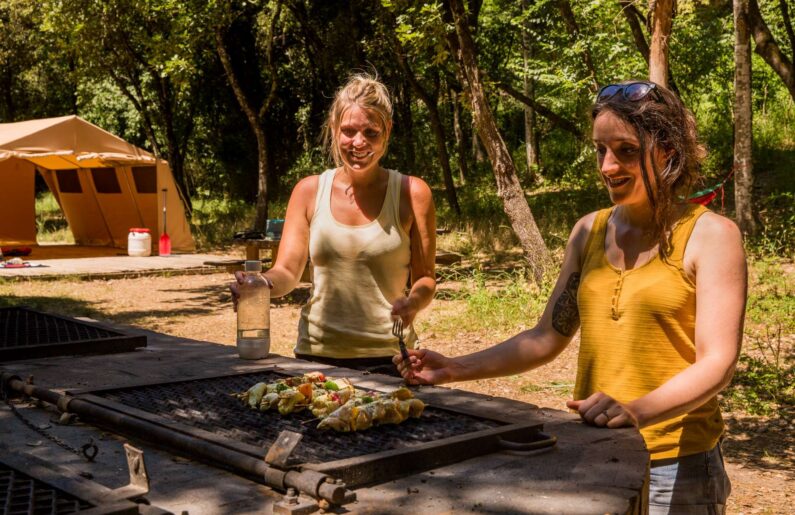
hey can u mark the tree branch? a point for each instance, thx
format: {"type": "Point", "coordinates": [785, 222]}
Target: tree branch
{"type": "Point", "coordinates": [263, 110]}
{"type": "Point", "coordinates": [554, 118]}
{"type": "Point", "coordinates": [788, 26]}
{"type": "Point", "coordinates": [634, 18]}
{"type": "Point", "coordinates": [768, 49]}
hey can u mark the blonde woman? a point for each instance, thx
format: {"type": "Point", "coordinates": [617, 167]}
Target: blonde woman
{"type": "Point", "coordinates": [367, 231]}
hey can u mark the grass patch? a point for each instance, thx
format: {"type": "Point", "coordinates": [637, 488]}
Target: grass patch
{"type": "Point", "coordinates": [51, 225]}
{"type": "Point", "coordinates": [504, 301]}
{"type": "Point", "coordinates": [771, 293]}
{"type": "Point", "coordinates": [559, 387]}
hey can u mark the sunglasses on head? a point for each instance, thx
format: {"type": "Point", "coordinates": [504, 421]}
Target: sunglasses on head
{"type": "Point", "coordinates": [631, 92]}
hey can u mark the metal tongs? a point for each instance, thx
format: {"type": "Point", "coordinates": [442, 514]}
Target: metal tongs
{"type": "Point", "coordinates": [397, 330]}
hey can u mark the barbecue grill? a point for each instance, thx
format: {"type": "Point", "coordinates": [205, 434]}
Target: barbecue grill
{"type": "Point", "coordinates": [205, 409]}
{"type": "Point", "coordinates": [595, 471]}
{"type": "Point", "coordinates": [29, 485]}
{"type": "Point", "coordinates": [26, 334]}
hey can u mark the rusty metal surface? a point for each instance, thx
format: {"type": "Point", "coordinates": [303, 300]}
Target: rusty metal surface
{"type": "Point", "coordinates": [26, 333]}
{"type": "Point", "coordinates": [22, 494]}
{"type": "Point", "coordinates": [206, 404]}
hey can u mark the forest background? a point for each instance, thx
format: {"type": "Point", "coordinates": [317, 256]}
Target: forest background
{"type": "Point", "coordinates": [233, 93]}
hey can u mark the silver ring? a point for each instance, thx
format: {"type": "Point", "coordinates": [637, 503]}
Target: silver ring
{"type": "Point", "coordinates": [606, 415]}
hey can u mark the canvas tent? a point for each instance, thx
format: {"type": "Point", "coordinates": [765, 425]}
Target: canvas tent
{"type": "Point", "coordinates": [104, 185]}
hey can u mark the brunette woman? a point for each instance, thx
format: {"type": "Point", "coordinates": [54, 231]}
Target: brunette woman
{"type": "Point", "coordinates": [657, 287]}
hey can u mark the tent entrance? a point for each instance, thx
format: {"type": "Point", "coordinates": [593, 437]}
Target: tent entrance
{"type": "Point", "coordinates": [52, 227]}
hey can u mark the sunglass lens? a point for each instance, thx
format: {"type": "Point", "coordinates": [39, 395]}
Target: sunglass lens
{"type": "Point", "coordinates": [635, 92]}
{"type": "Point", "coordinates": [608, 92]}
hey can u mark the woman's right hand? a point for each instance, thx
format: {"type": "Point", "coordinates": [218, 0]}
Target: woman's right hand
{"type": "Point", "coordinates": [425, 367]}
{"type": "Point", "coordinates": [235, 286]}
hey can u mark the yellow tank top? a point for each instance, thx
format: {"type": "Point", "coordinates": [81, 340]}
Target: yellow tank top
{"type": "Point", "coordinates": [358, 272]}
{"type": "Point", "coordinates": [638, 331]}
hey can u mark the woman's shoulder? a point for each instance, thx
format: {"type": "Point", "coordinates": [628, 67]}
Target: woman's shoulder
{"type": "Point", "coordinates": [413, 186]}
{"type": "Point", "coordinates": [715, 239]}
{"type": "Point", "coordinates": [307, 185]}
{"type": "Point", "coordinates": [580, 234]}
{"type": "Point", "coordinates": [712, 228]}
{"type": "Point", "coordinates": [586, 223]}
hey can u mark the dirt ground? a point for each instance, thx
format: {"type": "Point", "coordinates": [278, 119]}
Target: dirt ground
{"type": "Point", "coordinates": [759, 452]}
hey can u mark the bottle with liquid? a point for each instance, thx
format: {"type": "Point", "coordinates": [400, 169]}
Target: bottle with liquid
{"type": "Point", "coordinates": [253, 314]}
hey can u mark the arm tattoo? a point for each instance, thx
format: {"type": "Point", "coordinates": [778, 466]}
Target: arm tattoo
{"type": "Point", "coordinates": [566, 314]}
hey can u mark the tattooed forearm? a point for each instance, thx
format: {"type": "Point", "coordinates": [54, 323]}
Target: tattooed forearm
{"type": "Point", "coordinates": [565, 314]}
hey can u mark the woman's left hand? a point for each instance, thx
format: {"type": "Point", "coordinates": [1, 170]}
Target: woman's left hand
{"type": "Point", "coordinates": [604, 411]}
{"type": "Point", "coordinates": [406, 309]}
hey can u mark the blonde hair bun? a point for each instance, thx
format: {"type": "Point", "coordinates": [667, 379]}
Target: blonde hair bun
{"type": "Point", "coordinates": [365, 91]}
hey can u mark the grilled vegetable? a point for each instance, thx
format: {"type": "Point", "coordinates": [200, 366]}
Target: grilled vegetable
{"type": "Point", "coordinates": [336, 402]}
{"type": "Point", "coordinates": [255, 394]}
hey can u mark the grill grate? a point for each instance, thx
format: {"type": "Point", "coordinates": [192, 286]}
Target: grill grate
{"type": "Point", "coordinates": [206, 404]}
{"type": "Point", "coordinates": [21, 494]}
{"type": "Point", "coordinates": [25, 333]}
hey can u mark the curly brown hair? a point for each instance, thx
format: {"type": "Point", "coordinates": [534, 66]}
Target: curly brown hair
{"type": "Point", "coordinates": [663, 123]}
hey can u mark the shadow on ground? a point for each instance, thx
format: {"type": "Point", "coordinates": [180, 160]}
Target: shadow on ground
{"type": "Point", "coordinates": [761, 443]}
{"type": "Point", "coordinates": [57, 305]}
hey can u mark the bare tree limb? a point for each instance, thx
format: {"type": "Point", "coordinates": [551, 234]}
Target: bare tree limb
{"type": "Point", "coordinates": [768, 49]}
{"type": "Point", "coordinates": [788, 26]}
{"type": "Point", "coordinates": [554, 118]}
{"type": "Point", "coordinates": [634, 18]}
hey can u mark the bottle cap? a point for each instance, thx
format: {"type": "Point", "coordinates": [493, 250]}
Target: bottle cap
{"type": "Point", "coordinates": [253, 266]}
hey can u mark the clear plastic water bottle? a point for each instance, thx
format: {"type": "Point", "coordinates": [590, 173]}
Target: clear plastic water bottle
{"type": "Point", "coordinates": [253, 314]}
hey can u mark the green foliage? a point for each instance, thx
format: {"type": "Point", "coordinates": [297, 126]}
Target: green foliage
{"type": "Point", "coordinates": [215, 220]}
{"type": "Point", "coordinates": [765, 377]}
{"type": "Point", "coordinates": [504, 301]}
{"type": "Point", "coordinates": [764, 383]}
{"type": "Point", "coordinates": [771, 298]}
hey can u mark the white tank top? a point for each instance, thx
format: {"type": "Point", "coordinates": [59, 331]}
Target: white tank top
{"type": "Point", "coordinates": [359, 271]}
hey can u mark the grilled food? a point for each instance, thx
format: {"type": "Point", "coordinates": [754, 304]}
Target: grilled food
{"type": "Point", "coordinates": [338, 405]}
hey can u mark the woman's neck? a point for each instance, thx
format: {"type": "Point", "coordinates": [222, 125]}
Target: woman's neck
{"type": "Point", "coordinates": [362, 178]}
{"type": "Point", "coordinates": [638, 217]}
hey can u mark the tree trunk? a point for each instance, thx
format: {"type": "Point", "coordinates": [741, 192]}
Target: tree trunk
{"type": "Point", "coordinates": [431, 103]}
{"type": "Point", "coordinates": [530, 141]}
{"type": "Point", "coordinates": [508, 187]}
{"type": "Point", "coordinates": [477, 148]}
{"type": "Point", "coordinates": [441, 154]}
{"type": "Point", "coordinates": [662, 12]}
{"type": "Point", "coordinates": [767, 47]}
{"type": "Point", "coordinates": [261, 219]}
{"type": "Point", "coordinates": [463, 170]}
{"type": "Point", "coordinates": [743, 163]}
{"type": "Point", "coordinates": [405, 122]}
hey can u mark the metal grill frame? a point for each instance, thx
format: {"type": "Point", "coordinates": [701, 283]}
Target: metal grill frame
{"type": "Point", "coordinates": [114, 340]}
{"type": "Point", "coordinates": [358, 471]}
{"type": "Point", "coordinates": [63, 481]}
